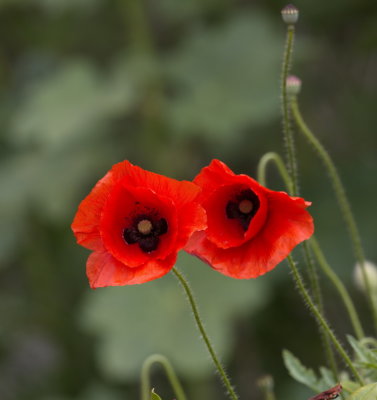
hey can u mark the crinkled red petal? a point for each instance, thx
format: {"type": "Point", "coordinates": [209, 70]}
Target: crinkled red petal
{"type": "Point", "coordinates": [87, 219]}
{"type": "Point", "coordinates": [287, 225]}
{"type": "Point", "coordinates": [182, 192]}
{"type": "Point", "coordinates": [226, 232]}
{"type": "Point", "coordinates": [192, 217]}
{"type": "Point", "coordinates": [85, 225]}
{"type": "Point", "coordinates": [126, 203]}
{"type": "Point", "coordinates": [219, 186]}
{"type": "Point", "coordinates": [104, 270]}
{"type": "Point", "coordinates": [214, 175]}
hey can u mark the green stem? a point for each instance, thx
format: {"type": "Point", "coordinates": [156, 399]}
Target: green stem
{"type": "Point", "coordinates": [339, 287]}
{"type": "Point", "coordinates": [321, 320]}
{"type": "Point", "coordinates": [172, 377]}
{"type": "Point", "coordinates": [293, 182]}
{"type": "Point", "coordinates": [205, 337]}
{"type": "Point", "coordinates": [277, 160]}
{"type": "Point", "coordinates": [314, 283]}
{"type": "Point", "coordinates": [266, 385]}
{"type": "Point", "coordinates": [342, 200]}
{"type": "Point", "coordinates": [261, 176]}
{"type": "Point", "coordinates": [287, 129]}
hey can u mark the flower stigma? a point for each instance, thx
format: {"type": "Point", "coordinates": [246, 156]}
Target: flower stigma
{"type": "Point", "coordinates": [245, 206]}
{"type": "Point", "coordinates": [145, 226]}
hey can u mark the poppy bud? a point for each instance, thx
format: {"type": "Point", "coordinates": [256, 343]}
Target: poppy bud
{"type": "Point", "coordinates": [293, 85]}
{"type": "Point", "coordinates": [290, 14]}
{"type": "Point", "coordinates": [371, 272]}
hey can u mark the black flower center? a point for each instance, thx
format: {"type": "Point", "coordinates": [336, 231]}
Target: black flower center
{"type": "Point", "coordinates": [243, 207]}
{"type": "Point", "coordinates": [145, 230]}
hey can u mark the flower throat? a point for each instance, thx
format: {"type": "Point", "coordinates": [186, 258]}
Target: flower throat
{"type": "Point", "coordinates": [244, 208]}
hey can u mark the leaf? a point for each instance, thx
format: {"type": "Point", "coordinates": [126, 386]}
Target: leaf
{"type": "Point", "coordinates": [327, 378]}
{"type": "Point", "coordinates": [299, 372]}
{"type": "Point", "coordinates": [72, 102]}
{"type": "Point", "coordinates": [368, 392]}
{"type": "Point", "coordinates": [360, 350]}
{"type": "Point", "coordinates": [155, 396]}
{"type": "Point", "coordinates": [121, 319]}
{"type": "Point", "coordinates": [366, 356]}
{"type": "Point", "coordinates": [225, 78]}
{"type": "Point", "coordinates": [350, 386]}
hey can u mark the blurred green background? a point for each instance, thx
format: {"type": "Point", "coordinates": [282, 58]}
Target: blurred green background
{"type": "Point", "coordinates": [168, 85]}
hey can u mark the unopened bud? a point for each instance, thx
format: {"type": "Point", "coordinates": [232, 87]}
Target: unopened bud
{"type": "Point", "coordinates": [290, 14]}
{"type": "Point", "coordinates": [293, 85]}
{"type": "Point", "coordinates": [371, 273]}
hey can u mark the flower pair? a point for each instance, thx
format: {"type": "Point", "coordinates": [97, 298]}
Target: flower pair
{"type": "Point", "coordinates": [136, 221]}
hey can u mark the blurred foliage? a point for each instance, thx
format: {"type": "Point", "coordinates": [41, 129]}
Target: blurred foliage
{"type": "Point", "coordinates": [159, 307]}
{"type": "Point", "coordinates": [168, 85]}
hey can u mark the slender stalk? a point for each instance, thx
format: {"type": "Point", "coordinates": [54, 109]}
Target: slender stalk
{"type": "Point", "coordinates": [287, 129]}
{"type": "Point", "coordinates": [199, 323]}
{"type": "Point", "coordinates": [293, 187]}
{"type": "Point", "coordinates": [172, 377]}
{"type": "Point", "coordinates": [321, 320]}
{"type": "Point", "coordinates": [261, 176]}
{"type": "Point", "coordinates": [277, 160]}
{"type": "Point", "coordinates": [317, 296]}
{"type": "Point", "coordinates": [339, 287]}
{"type": "Point", "coordinates": [266, 385]}
{"type": "Point", "coordinates": [342, 200]}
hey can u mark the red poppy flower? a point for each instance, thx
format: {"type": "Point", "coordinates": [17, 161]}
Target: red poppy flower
{"type": "Point", "coordinates": [135, 221]}
{"type": "Point", "coordinates": [250, 228]}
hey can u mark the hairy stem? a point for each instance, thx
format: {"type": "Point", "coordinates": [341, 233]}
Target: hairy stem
{"type": "Point", "coordinates": [321, 320]}
{"type": "Point", "coordinates": [272, 157]}
{"type": "Point", "coordinates": [261, 176]}
{"type": "Point", "coordinates": [287, 129]}
{"type": "Point", "coordinates": [199, 323]}
{"type": "Point", "coordinates": [339, 287]}
{"type": "Point", "coordinates": [293, 187]}
{"type": "Point", "coordinates": [172, 377]}
{"type": "Point", "coordinates": [317, 296]}
{"type": "Point", "coordinates": [342, 200]}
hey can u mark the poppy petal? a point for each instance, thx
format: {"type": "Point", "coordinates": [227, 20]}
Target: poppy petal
{"type": "Point", "coordinates": [223, 231]}
{"type": "Point", "coordinates": [287, 224]}
{"type": "Point", "coordinates": [105, 270]}
{"type": "Point", "coordinates": [210, 176]}
{"type": "Point", "coordinates": [192, 218]}
{"type": "Point", "coordinates": [124, 204]}
{"type": "Point", "coordinates": [182, 192]}
{"type": "Point", "coordinates": [85, 225]}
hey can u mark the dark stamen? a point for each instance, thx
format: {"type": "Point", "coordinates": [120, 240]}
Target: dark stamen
{"type": "Point", "coordinates": [131, 235]}
{"type": "Point", "coordinates": [145, 231]}
{"type": "Point", "coordinates": [161, 226]}
{"type": "Point", "coordinates": [149, 243]}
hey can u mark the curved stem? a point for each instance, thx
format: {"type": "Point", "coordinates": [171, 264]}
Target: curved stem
{"type": "Point", "coordinates": [342, 200]}
{"type": "Point", "coordinates": [317, 295]}
{"type": "Point", "coordinates": [199, 323]}
{"type": "Point", "coordinates": [172, 377]}
{"type": "Point", "coordinates": [277, 160]}
{"type": "Point", "coordinates": [339, 287]}
{"type": "Point", "coordinates": [261, 176]}
{"type": "Point", "coordinates": [287, 129]}
{"type": "Point", "coordinates": [308, 300]}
